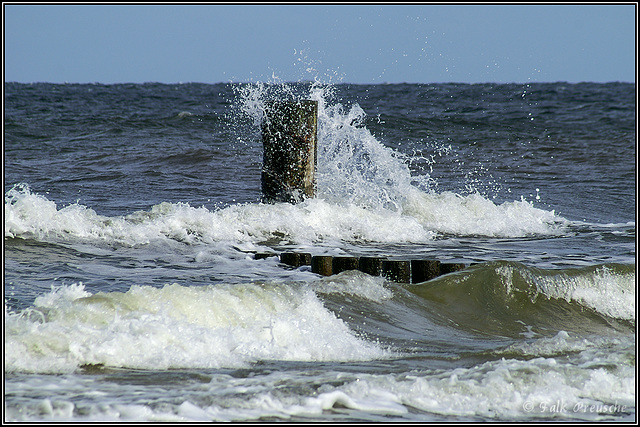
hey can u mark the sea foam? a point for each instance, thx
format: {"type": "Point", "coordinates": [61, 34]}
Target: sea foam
{"type": "Point", "coordinates": [177, 327]}
{"type": "Point", "coordinates": [365, 192]}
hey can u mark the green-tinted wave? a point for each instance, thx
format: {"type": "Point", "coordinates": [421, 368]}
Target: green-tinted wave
{"type": "Point", "coordinates": [511, 299]}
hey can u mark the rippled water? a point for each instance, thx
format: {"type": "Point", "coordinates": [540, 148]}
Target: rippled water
{"type": "Point", "coordinates": [132, 292]}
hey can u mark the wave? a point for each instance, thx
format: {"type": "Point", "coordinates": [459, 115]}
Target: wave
{"type": "Point", "coordinates": [178, 327]}
{"type": "Point", "coordinates": [365, 192]}
{"type": "Point", "coordinates": [509, 298]}
{"type": "Point", "coordinates": [347, 317]}
{"type": "Point", "coordinates": [425, 217]}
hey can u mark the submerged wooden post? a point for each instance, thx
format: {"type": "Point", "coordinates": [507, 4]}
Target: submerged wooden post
{"type": "Point", "coordinates": [446, 268]}
{"type": "Point", "coordinates": [344, 263]}
{"type": "Point", "coordinates": [322, 264]}
{"type": "Point", "coordinates": [289, 136]}
{"type": "Point", "coordinates": [423, 270]}
{"type": "Point", "coordinates": [371, 265]}
{"type": "Point", "coordinates": [397, 270]}
{"type": "Point", "coordinates": [295, 259]}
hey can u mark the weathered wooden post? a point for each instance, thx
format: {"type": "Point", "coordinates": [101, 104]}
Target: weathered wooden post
{"type": "Point", "coordinates": [322, 264]}
{"type": "Point", "coordinates": [264, 255]}
{"type": "Point", "coordinates": [295, 259]}
{"type": "Point", "coordinates": [446, 268]}
{"type": "Point", "coordinates": [423, 270]}
{"type": "Point", "coordinates": [397, 270]}
{"type": "Point", "coordinates": [344, 263]}
{"type": "Point", "coordinates": [371, 265]}
{"type": "Point", "coordinates": [289, 136]}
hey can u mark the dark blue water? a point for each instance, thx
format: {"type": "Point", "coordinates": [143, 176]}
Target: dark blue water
{"type": "Point", "coordinates": [132, 213]}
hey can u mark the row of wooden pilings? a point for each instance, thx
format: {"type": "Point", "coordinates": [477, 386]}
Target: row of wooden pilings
{"type": "Point", "coordinates": [401, 271]}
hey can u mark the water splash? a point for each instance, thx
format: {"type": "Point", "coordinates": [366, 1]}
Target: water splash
{"type": "Point", "coordinates": [356, 169]}
{"type": "Point", "coordinates": [365, 192]}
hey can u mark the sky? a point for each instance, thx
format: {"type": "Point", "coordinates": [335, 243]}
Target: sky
{"type": "Point", "coordinates": [339, 43]}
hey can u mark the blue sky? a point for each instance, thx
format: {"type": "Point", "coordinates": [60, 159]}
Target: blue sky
{"type": "Point", "coordinates": [331, 43]}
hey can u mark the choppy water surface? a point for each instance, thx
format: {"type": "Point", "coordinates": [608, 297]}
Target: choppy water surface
{"type": "Point", "coordinates": [132, 216]}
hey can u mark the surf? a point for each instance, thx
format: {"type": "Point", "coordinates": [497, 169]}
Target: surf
{"type": "Point", "coordinates": [366, 192]}
{"type": "Point", "coordinates": [507, 298]}
{"type": "Point", "coordinates": [175, 326]}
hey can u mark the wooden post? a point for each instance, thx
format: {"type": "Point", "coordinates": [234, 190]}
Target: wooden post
{"type": "Point", "coordinates": [371, 265]}
{"type": "Point", "coordinates": [397, 270]}
{"type": "Point", "coordinates": [344, 263]}
{"type": "Point", "coordinates": [305, 259]}
{"type": "Point", "coordinates": [446, 268]}
{"type": "Point", "coordinates": [322, 264]}
{"type": "Point", "coordinates": [289, 136]}
{"type": "Point", "coordinates": [264, 255]}
{"type": "Point", "coordinates": [295, 259]}
{"type": "Point", "coordinates": [423, 270]}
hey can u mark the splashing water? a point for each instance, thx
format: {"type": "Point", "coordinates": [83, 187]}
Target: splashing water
{"type": "Point", "coordinates": [356, 169]}
{"type": "Point", "coordinates": [365, 192]}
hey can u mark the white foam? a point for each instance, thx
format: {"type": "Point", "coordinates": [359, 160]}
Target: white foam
{"type": "Point", "coordinates": [314, 220]}
{"type": "Point", "coordinates": [355, 283]}
{"type": "Point", "coordinates": [563, 343]}
{"type": "Point", "coordinates": [564, 378]}
{"type": "Point", "coordinates": [365, 191]}
{"type": "Point", "coordinates": [604, 290]}
{"type": "Point", "coordinates": [355, 169]}
{"type": "Point", "coordinates": [451, 213]}
{"type": "Point", "coordinates": [32, 214]}
{"type": "Point", "coordinates": [177, 327]}
{"type": "Point", "coordinates": [423, 217]}
{"type": "Point", "coordinates": [504, 389]}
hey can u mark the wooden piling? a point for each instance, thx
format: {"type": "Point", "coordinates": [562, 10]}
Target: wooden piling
{"type": "Point", "coordinates": [371, 265]}
{"type": "Point", "coordinates": [289, 136]}
{"type": "Point", "coordinates": [322, 264]}
{"type": "Point", "coordinates": [397, 270]}
{"type": "Point", "coordinates": [344, 263]}
{"type": "Point", "coordinates": [295, 259]}
{"type": "Point", "coordinates": [305, 259]}
{"type": "Point", "coordinates": [450, 267]}
{"type": "Point", "coordinates": [424, 269]}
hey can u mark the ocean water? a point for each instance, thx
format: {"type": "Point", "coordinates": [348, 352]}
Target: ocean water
{"type": "Point", "coordinates": [132, 218]}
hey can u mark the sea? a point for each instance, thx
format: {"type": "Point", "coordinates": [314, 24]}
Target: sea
{"type": "Point", "coordinates": [133, 289]}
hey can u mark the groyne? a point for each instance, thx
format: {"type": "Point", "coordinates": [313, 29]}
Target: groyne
{"type": "Point", "coordinates": [396, 270]}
